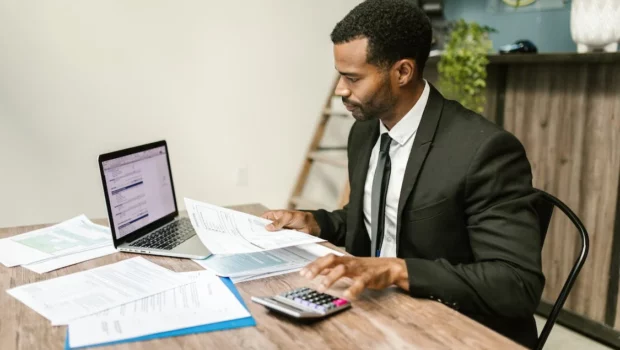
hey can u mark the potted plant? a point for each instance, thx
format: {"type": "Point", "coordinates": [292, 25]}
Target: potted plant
{"type": "Point", "coordinates": [462, 66]}
{"type": "Point", "coordinates": [595, 25]}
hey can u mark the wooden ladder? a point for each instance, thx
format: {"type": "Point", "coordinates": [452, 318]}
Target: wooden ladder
{"type": "Point", "coordinates": [316, 154]}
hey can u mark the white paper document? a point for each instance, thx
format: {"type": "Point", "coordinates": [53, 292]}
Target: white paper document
{"type": "Point", "coordinates": [68, 260]}
{"type": "Point", "coordinates": [66, 298]}
{"type": "Point", "coordinates": [248, 278]}
{"type": "Point", "coordinates": [71, 236]}
{"type": "Point", "coordinates": [316, 250]}
{"type": "Point", "coordinates": [226, 231]}
{"type": "Point", "coordinates": [260, 263]}
{"type": "Point", "coordinates": [206, 300]}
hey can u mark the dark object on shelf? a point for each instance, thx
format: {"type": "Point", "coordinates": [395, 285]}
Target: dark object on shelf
{"type": "Point", "coordinates": [434, 10]}
{"type": "Point", "coordinates": [520, 46]}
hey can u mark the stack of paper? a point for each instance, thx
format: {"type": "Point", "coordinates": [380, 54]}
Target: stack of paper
{"type": "Point", "coordinates": [250, 266]}
{"type": "Point", "coordinates": [84, 293]}
{"type": "Point", "coordinates": [248, 278]}
{"type": "Point", "coordinates": [57, 246]}
{"type": "Point", "coordinates": [204, 305]}
{"type": "Point", "coordinates": [226, 231]}
{"type": "Point", "coordinates": [242, 247]}
{"type": "Point", "coordinates": [135, 299]}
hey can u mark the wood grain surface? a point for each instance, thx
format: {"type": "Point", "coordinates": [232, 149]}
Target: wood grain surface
{"type": "Point", "coordinates": [378, 320]}
{"type": "Point", "coordinates": [568, 118]}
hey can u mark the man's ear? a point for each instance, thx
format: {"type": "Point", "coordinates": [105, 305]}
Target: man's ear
{"type": "Point", "coordinates": [405, 71]}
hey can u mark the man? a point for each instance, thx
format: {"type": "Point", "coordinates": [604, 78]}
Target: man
{"type": "Point", "coordinates": [441, 201]}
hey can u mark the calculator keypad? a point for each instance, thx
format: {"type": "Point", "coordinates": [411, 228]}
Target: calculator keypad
{"type": "Point", "coordinates": [321, 302]}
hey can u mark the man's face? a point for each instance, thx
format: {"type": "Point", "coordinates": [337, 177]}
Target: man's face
{"type": "Point", "coordinates": [366, 89]}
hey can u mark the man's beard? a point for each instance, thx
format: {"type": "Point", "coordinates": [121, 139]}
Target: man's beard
{"type": "Point", "coordinates": [374, 109]}
{"type": "Point", "coordinates": [358, 112]}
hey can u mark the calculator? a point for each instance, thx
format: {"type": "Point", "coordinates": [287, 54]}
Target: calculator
{"type": "Point", "coordinates": [304, 303]}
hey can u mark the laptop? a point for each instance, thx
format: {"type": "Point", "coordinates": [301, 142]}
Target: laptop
{"type": "Point", "coordinates": [142, 206]}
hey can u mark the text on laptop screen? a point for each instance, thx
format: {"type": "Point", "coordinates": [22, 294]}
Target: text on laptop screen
{"type": "Point", "coordinates": [139, 189]}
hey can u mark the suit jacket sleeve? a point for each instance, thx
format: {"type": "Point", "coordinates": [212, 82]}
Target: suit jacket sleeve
{"type": "Point", "coordinates": [333, 225]}
{"type": "Point", "coordinates": [504, 233]}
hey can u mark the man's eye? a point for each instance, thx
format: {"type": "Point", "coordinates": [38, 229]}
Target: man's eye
{"type": "Point", "coordinates": [353, 80]}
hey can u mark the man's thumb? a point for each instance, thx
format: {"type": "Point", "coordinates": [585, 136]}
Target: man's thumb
{"type": "Point", "coordinates": [274, 226]}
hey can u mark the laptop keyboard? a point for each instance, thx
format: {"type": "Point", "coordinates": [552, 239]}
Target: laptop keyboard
{"type": "Point", "coordinates": [168, 237]}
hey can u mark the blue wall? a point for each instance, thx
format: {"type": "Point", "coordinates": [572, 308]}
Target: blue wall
{"type": "Point", "coordinates": [549, 30]}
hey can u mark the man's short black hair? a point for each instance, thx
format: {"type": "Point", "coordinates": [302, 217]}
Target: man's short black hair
{"type": "Point", "coordinates": [395, 29]}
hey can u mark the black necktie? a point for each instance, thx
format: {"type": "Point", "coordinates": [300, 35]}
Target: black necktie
{"type": "Point", "coordinates": [379, 193]}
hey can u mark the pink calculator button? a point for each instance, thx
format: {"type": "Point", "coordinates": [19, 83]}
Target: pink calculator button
{"type": "Point", "coordinates": [339, 302]}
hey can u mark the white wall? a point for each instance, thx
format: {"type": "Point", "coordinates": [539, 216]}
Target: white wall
{"type": "Point", "coordinates": [233, 86]}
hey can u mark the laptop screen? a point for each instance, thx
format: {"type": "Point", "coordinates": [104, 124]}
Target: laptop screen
{"type": "Point", "coordinates": [139, 189]}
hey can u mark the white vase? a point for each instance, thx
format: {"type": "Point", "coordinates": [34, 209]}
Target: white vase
{"type": "Point", "coordinates": [595, 25]}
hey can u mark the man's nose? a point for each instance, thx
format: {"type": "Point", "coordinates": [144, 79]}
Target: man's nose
{"type": "Point", "coordinates": [342, 89]}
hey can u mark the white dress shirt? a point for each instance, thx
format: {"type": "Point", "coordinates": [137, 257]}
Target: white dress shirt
{"type": "Point", "coordinates": [402, 134]}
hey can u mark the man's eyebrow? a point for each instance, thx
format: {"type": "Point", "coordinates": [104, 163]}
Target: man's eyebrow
{"type": "Point", "coordinates": [348, 74]}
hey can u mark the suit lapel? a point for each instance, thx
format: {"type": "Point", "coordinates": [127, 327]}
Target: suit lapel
{"type": "Point", "coordinates": [421, 145]}
{"type": "Point", "coordinates": [358, 242]}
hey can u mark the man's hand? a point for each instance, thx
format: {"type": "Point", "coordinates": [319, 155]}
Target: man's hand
{"type": "Point", "coordinates": [373, 273]}
{"type": "Point", "coordinates": [292, 219]}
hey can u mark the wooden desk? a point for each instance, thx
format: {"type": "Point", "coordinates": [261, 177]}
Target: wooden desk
{"type": "Point", "coordinates": [386, 319]}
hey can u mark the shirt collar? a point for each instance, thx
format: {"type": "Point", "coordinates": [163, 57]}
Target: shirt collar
{"type": "Point", "coordinates": [408, 126]}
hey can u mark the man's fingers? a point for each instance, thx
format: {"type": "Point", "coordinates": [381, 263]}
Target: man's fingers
{"type": "Point", "coordinates": [320, 264]}
{"type": "Point", "coordinates": [298, 222]}
{"type": "Point", "coordinates": [335, 274]}
{"type": "Point", "coordinates": [292, 219]}
{"type": "Point", "coordinates": [326, 271]}
{"type": "Point", "coordinates": [357, 287]}
{"type": "Point", "coordinates": [269, 215]}
{"type": "Point", "coordinates": [280, 220]}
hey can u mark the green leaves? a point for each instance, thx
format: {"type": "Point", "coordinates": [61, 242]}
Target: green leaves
{"type": "Point", "coordinates": [462, 67]}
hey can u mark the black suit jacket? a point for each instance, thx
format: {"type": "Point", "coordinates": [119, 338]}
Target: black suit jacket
{"type": "Point", "coordinates": [467, 228]}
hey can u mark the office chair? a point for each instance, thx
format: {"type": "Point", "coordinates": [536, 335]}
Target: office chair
{"type": "Point", "coordinates": [544, 207]}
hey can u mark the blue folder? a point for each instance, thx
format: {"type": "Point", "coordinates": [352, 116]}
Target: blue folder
{"type": "Point", "coordinates": [238, 323]}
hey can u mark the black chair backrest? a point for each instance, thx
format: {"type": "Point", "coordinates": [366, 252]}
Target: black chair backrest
{"type": "Point", "coordinates": [544, 206]}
